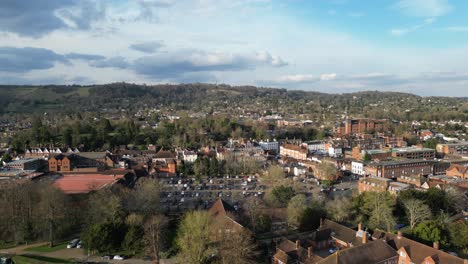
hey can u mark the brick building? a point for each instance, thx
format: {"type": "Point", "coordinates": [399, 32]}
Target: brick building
{"type": "Point", "coordinates": [395, 169]}
{"type": "Point", "coordinates": [362, 125]}
{"type": "Point", "coordinates": [293, 151]}
{"type": "Point", "coordinates": [24, 164]}
{"type": "Point", "coordinates": [373, 184]}
{"type": "Point", "coordinates": [458, 170]}
{"type": "Point", "coordinates": [414, 153]}
{"type": "Point", "coordinates": [459, 149]}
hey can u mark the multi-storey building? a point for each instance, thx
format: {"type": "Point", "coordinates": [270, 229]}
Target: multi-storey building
{"type": "Point", "coordinates": [395, 169]}
{"type": "Point", "coordinates": [362, 125]}
{"type": "Point", "coordinates": [269, 145]}
{"type": "Point", "coordinates": [357, 168]}
{"type": "Point", "coordinates": [24, 164]}
{"type": "Point", "coordinates": [414, 153]}
{"type": "Point", "coordinates": [453, 149]}
{"type": "Point", "coordinates": [293, 151]}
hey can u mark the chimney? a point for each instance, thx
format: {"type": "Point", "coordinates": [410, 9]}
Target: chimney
{"type": "Point", "coordinates": [436, 245]}
{"type": "Point", "coordinates": [399, 234]}
{"type": "Point", "coordinates": [360, 226]}
{"type": "Point", "coordinates": [309, 252]}
{"type": "Point", "coordinates": [321, 222]}
{"type": "Point", "coordinates": [364, 238]}
{"type": "Point", "coordinates": [298, 244]}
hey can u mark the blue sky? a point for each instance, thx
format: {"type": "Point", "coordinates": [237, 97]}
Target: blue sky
{"type": "Point", "coordinates": [336, 46]}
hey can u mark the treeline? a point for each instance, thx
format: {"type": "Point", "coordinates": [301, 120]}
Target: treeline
{"type": "Point", "coordinates": [93, 135]}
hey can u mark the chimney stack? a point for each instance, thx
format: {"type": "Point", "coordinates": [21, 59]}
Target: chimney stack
{"type": "Point", "coordinates": [364, 237]}
{"type": "Point", "coordinates": [309, 252]}
{"type": "Point", "coordinates": [399, 234]}
{"type": "Point", "coordinates": [298, 244]}
{"type": "Point", "coordinates": [436, 245]}
{"type": "Point", "coordinates": [360, 226]}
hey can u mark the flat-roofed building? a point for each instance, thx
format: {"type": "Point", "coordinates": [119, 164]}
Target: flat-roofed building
{"type": "Point", "coordinates": [24, 164]}
{"type": "Point", "coordinates": [395, 169]}
{"type": "Point", "coordinates": [452, 149]}
{"type": "Point", "coordinates": [413, 153]}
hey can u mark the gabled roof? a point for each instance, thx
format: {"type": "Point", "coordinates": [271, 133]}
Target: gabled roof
{"type": "Point", "coordinates": [415, 250]}
{"type": "Point", "coordinates": [165, 154]}
{"type": "Point", "coordinates": [221, 208]}
{"type": "Point", "coordinates": [340, 232]}
{"type": "Point", "coordinates": [458, 168]}
{"type": "Point", "coordinates": [369, 253]}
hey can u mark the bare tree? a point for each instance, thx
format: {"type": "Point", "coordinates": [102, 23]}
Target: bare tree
{"type": "Point", "coordinates": [154, 235]}
{"type": "Point", "coordinates": [416, 211]}
{"type": "Point", "coordinates": [296, 208]}
{"type": "Point", "coordinates": [53, 205]}
{"type": "Point", "coordinates": [339, 209]}
{"type": "Point", "coordinates": [236, 247]}
{"type": "Point", "coordinates": [251, 210]}
{"type": "Point", "coordinates": [327, 171]}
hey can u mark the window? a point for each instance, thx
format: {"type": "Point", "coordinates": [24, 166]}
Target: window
{"type": "Point", "coordinates": [402, 254]}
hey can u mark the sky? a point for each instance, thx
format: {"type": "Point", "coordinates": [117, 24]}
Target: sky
{"type": "Point", "coordinates": [334, 46]}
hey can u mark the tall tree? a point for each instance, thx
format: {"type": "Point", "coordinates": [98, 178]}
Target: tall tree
{"type": "Point", "coordinates": [193, 237]}
{"type": "Point", "coordinates": [53, 204]}
{"type": "Point", "coordinates": [154, 229]}
{"type": "Point", "coordinates": [416, 212]}
{"type": "Point", "coordinates": [296, 208]}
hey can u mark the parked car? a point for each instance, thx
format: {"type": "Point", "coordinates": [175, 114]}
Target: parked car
{"type": "Point", "coordinates": [79, 245]}
{"type": "Point", "coordinates": [332, 250]}
{"type": "Point", "coordinates": [73, 243]}
{"type": "Point", "coordinates": [119, 257]}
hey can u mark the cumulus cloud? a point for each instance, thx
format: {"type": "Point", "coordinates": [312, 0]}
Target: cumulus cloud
{"type": "Point", "coordinates": [424, 8]}
{"type": "Point", "coordinates": [188, 61]}
{"type": "Point", "coordinates": [36, 18]}
{"type": "Point", "coordinates": [147, 47]}
{"type": "Point", "coordinates": [26, 59]}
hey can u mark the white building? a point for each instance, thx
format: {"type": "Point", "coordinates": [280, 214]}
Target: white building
{"type": "Point", "coordinates": [317, 146]}
{"type": "Point", "coordinates": [357, 168]}
{"type": "Point", "coordinates": [335, 152]}
{"type": "Point", "coordinates": [269, 145]}
{"type": "Point", "coordinates": [189, 156]}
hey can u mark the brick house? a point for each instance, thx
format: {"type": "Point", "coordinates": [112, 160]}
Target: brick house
{"type": "Point", "coordinates": [373, 184]}
{"type": "Point", "coordinates": [410, 251]}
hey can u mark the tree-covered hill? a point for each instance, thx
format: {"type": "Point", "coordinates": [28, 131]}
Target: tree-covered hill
{"type": "Point", "coordinates": [205, 97]}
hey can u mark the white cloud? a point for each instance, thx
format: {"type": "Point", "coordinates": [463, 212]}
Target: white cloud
{"type": "Point", "coordinates": [328, 77]}
{"type": "Point", "coordinates": [424, 8]}
{"type": "Point", "coordinates": [405, 30]}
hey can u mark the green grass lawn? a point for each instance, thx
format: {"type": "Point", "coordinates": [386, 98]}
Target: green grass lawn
{"type": "Point", "coordinates": [32, 259]}
{"type": "Point", "coordinates": [46, 248]}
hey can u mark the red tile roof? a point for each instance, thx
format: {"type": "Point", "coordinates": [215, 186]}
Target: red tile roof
{"type": "Point", "coordinates": [85, 183]}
